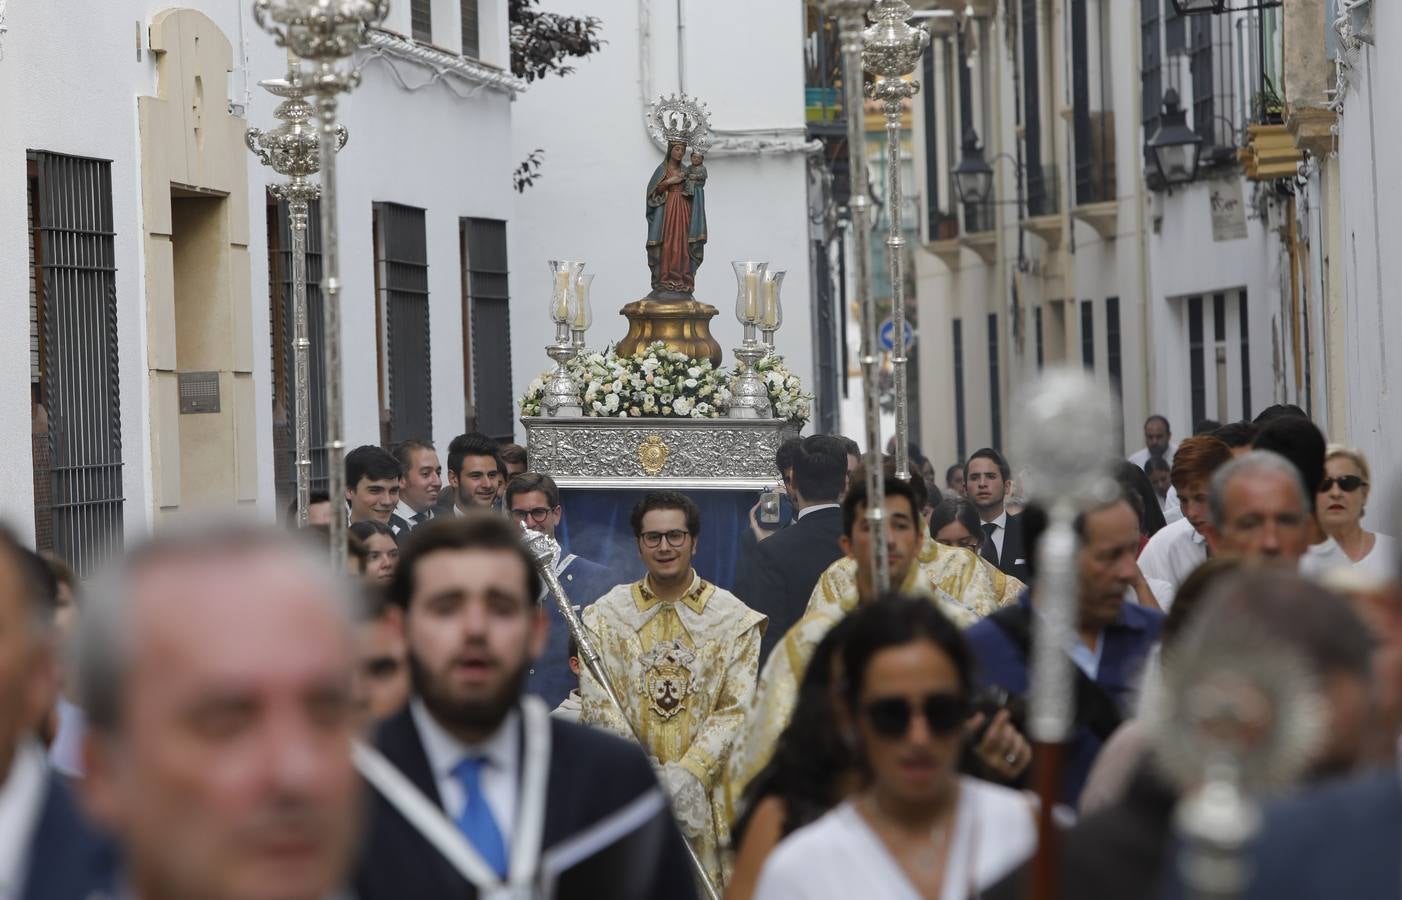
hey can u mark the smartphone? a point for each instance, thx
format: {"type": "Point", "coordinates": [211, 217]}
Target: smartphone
{"type": "Point", "coordinates": [769, 503]}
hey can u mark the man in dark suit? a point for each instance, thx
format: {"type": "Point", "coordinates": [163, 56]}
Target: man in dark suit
{"type": "Point", "coordinates": [986, 476]}
{"type": "Point", "coordinates": [472, 623]}
{"type": "Point", "coordinates": [53, 852]}
{"type": "Point", "coordinates": [785, 566]}
{"type": "Point", "coordinates": [534, 501]}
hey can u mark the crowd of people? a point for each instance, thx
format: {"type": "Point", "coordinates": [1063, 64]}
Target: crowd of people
{"type": "Point", "coordinates": [222, 716]}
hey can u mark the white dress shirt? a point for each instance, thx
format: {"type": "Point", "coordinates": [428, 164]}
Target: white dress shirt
{"type": "Point", "coordinates": [1000, 528]}
{"type": "Point", "coordinates": [1173, 553]}
{"type": "Point", "coordinates": [21, 800]}
{"type": "Point", "coordinates": [499, 775]}
{"type": "Point", "coordinates": [406, 512]}
{"type": "Point", "coordinates": [812, 509]}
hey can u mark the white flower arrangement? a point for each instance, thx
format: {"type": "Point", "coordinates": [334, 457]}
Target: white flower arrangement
{"type": "Point", "coordinates": [786, 396]}
{"type": "Point", "coordinates": [654, 382]}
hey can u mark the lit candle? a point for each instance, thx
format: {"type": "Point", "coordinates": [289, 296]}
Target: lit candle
{"type": "Point", "coordinates": [562, 296]}
{"type": "Point", "coordinates": [771, 304]}
{"type": "Point", "coordinates": [751, 296]}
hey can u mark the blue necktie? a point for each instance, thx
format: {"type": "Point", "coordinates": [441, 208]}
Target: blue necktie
{"type": "Point", "coordinates": [476, 821]}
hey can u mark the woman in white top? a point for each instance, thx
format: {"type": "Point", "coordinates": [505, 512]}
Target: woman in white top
{"type": "Point", "coordinates": [917, 830]}
{"type": "Point", "coordinates": [1343, 496]}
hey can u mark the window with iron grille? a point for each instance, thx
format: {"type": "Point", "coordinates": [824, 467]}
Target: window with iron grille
{"type": "Point", "coordinates": [281, 318]}
{"type": "Point", "coordinates": [1151, 70]}
{"type": "Point", "coordinates": [1112, 342]}
{"type": "Point", "coordinates": [942, 137]}
{"type": "Point", "coordinates": [932, 157]}
{"type": "Point", "coordinates": [421, 20]}
{"type": "Point", "coordinates": [401, 261]}
{"type": "Point", "coordinates": [489, 320]}
{"type": "Point", "coordinates": [977, 217]}
{"type": "Point", "coordinates": [1088, 335]}
{"type": "Point", "coordinates": [957, 330]}
{"type": "Point", "coordinates": [1094, 118]}
{"type": "Point", "coordinates": [1037, 204]}
{"type": "Point", "coordinates": [78, 458]}
{"type": "Point", "coordinates": [1200, 68]}
{"type": "Point", "coordinates": [826, 316]}
{"type": "Point", "coordinates": [471, 36]}
{"type": "Point", "coordinates": [995, 394]}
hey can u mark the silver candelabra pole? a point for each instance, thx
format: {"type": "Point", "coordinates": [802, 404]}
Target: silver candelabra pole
{"type": "Point", "coordinates": [892, 49]}
{"type": "Point", "coordinates": [291, 149]}
{"type": "Point", "coordinates": [325, 32]}
{"type": "Point", "coordinates": [851, 18]}
{"type": "Point", "coordinates": [749, 398]}
{"type": "Point", "coordinates": [563, 395]}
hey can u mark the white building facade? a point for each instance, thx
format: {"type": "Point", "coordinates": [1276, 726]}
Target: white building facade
{"type": "Point", "coordinates": [151, 362]}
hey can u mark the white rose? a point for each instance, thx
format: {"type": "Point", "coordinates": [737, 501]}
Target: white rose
{"type": "Point", "coordinates": [682, 406]}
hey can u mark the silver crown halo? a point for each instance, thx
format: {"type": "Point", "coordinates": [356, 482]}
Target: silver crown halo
{"type": "Point", "coordinates": [678, 118]}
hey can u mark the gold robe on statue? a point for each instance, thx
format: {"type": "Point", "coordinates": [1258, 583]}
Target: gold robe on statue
{"type": "Point", "coordinates": [963, 585]}
{"type": "Point", "coordinates": [685, 673]}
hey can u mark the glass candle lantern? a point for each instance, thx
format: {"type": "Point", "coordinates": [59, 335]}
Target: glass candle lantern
{"type": "Point", "coordinates": [583, 315]}
{"type": "Point", "coordinates": [749, 294]}
{"type": "Point", "coordinates": [564, 300]}
{"type": "Point", "coordinates": [771, 312]}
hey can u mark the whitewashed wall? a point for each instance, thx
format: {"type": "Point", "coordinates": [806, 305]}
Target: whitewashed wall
{"type": "Point", "coordinates": [69, 83]}
{"type": "Point", "coordinates": [598, 158]}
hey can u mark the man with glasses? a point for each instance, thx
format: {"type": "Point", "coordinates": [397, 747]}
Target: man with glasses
{"type": "Point", "coordinates": [534, 501]}
{"type": "Point", "coordinates": [682, 655]}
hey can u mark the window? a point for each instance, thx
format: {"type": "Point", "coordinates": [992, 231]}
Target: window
{"type": "Point", "coordinates": [995, 400]}
{"type": "Point", "coordinates": [421, 20]}
{"type": "Point", "coordinates": [1094, 117]}
{"type": "Point", "coordinates": [471, 39]}
{"type": "Point", "coordinates": [1037, 199]}
{"type": "Point", "coordinates": [1088, 335]}
{"type": "Point", "coordinates": [1245, 357]}
{"type": "Point", "coordinates": [1037, 317]}
{"type": "Point", "coordinates": [943, 133]}
{"type": "Point", "coordinates": [959, 436]}
{"type": "Point", "coordinates": [489, 322]}
{"type": "Point", "coordinates": [73, 361]}
{"type": "Point", "coordinates": [284, 382]}
{"type": "Point", "coordinates": [401, 266]}
{"type": "Point", "coordinates": [1151, 69]}
{"type": "Point", "coordinates": [1200, 68]}
{"type": "Point", "coordinates": [1112, 342]}
{"type": "Point", "coordinates": [1197, 378]}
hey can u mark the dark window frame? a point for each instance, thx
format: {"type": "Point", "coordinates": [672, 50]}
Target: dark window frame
{"type": "Point", "coordinates": [487, 272]}
{"type": "Point", "coordinates": [471, 29]}
{"type": "Point", "coordinates": [957, 334]}
{"type": "Point", "coordinates": [421, 20]}
{"type": "Point", "coordinates": [401, 265]}
{"type": "Point", "coordinates": [1088, 335]}
{"type": "Point", "coordinates": [995, 391]}
{"type": "Point", "coordinates": [1197, 382]}
{"type": "Point", "coordinates": [1113, 362]}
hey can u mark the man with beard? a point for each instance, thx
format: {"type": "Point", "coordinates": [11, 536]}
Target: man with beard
{"type": "Point", "coordinates": [477, 787]}
{"type": "Point", "coordinates": [215, 673]}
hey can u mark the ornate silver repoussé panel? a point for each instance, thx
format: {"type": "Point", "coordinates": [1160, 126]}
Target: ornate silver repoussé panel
{"type": "Point", "coordinates": [716, 454]}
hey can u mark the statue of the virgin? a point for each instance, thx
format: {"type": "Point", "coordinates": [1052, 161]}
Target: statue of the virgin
{"type": "Point", "coordinates": [676, 220]}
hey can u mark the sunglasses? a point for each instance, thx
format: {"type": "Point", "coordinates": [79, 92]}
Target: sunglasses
{"type": "Point", "coordinates": [944, 714]}
{"type": "Point", "coordinates": [1347, 483]}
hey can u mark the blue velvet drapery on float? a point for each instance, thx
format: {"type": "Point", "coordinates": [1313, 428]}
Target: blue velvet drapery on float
{"type": "Point", "coordinates": [595, 526]}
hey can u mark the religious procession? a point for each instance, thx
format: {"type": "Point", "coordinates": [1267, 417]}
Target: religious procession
{"type": "Point", "coordinates": [891, 603]}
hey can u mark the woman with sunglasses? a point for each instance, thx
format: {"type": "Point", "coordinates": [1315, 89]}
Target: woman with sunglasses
{"type": "Point", "coordinates": [915, 829]}
{"type": "Point", "coordinates": [1343, 496]}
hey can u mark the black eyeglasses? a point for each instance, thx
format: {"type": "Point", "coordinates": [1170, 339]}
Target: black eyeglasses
{"type": "Point", "coordinates": [1347, 483]}
{"type": "Point", "coordinates": [675, 538]}
{"type": "Point", "coordinates": [944, 714]}
{"type": "Point", "coordinates": [537, 514]}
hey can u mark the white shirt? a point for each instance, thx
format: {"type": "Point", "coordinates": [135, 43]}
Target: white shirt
{"type": "Point", "coordinates": [1381, 560]}
{"type": "Point", "coordinates": [21, 801]}
{"type": "Point", "coordinates": [1141, 456]}
{"type": "Point", "coordinates": [812, 509]}
{"type": "Point", "coordinates": [1322, 558]}
{"type": "Point", "coordinates": [499, 775]}
{"type": "Point", "coordinates": [406, 512]}
{"type": "Point", "coordinates": [839, 857]}
{"type": "Point", "coordinates": [1173, 553]}
{"type": "Point", "coordinates": [1000, 528]}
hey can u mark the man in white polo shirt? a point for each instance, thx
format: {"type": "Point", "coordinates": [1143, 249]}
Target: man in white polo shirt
{"type": "Point", "coordinates": [1180, 547]}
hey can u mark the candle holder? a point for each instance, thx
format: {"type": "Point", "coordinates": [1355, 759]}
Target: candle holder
{"type": "Point", "coordinates": [563, 395]}
{"type": "Point", "coordinates": [749, 398]}
{"type": "Point", "coordinates": [771, 312]}
{"type": "Point", "coordinates": [584, 315]}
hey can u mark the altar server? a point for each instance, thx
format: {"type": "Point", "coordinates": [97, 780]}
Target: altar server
{"type": "Point", "coordinates": [682, 655]}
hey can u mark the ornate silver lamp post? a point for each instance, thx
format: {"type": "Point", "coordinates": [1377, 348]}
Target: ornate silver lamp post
{"type": "Point", "coordinates": [562, 392]}
{"type": "Point", "coordinates": [851, 19]}
{"type": "Point", "coordinates": [749, 398]}
{"type": "Point", "coordinates": [892, 48]}
{"type": "Point", "coordinates": [290, 149]}
{"type": "Point", "coordinates": [325, 32]}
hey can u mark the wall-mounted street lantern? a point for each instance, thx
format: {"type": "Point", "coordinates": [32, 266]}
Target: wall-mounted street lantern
{"type": "Point", "coordinates": [1175, 147]}
{"type": "Point", "coordinates": [973, 177]}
